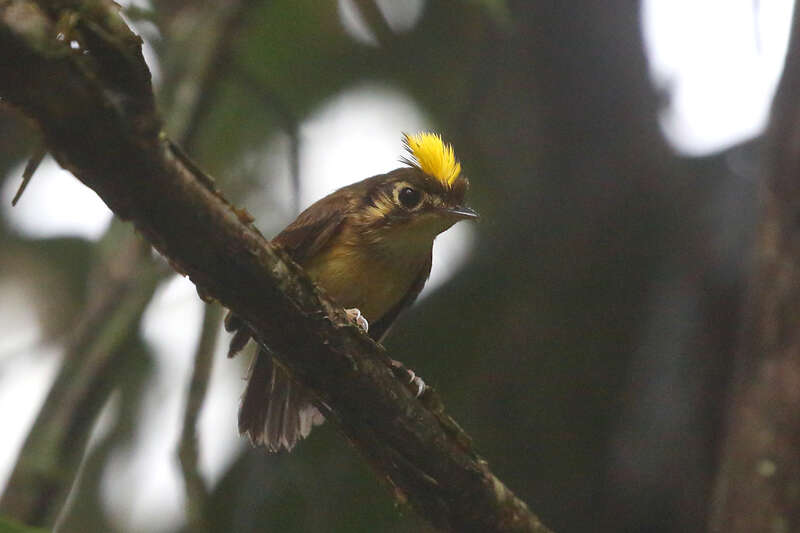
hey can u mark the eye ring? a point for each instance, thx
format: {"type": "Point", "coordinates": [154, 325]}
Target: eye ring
{"type": "Point", "coordinates": [409, 197]}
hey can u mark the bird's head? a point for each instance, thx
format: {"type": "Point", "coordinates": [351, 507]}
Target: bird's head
{"type": "Point", "coordinates": [409, 206]}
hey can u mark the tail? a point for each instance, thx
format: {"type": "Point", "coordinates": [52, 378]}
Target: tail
{"type": "Point", "coordinates": [276, 412]}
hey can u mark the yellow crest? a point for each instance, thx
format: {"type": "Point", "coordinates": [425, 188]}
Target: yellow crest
{"type": "Point", "coordinates": [432, 156]}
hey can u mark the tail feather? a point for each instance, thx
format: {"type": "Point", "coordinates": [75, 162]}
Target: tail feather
{"type": "Point", "coordinates": [276, 412]}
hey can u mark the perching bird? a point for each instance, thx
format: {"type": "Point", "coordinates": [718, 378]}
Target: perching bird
{"type": "Point", "coordinates": [369, 246]}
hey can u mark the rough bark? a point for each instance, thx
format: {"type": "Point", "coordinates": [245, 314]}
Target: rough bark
{"type": "Point", "coordinates": [90, 94]}
{"type": "Point", "coordinates": [758, 486]}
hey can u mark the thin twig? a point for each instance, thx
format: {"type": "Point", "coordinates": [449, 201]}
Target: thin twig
{"type": "Point", "coordinates": [30, 170]}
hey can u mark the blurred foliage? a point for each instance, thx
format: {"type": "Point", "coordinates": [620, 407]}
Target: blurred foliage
{"type": "Point", "coordinates": [10, 526]}
{"type": "Point", "coordinates": [542, 348]}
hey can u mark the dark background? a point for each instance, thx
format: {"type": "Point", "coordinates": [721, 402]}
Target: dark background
{"type": "Point", "coordinates": [587, 344]}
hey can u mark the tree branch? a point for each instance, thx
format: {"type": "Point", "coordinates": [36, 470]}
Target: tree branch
{"type": "Point", "coordinates": [759, 480]}
{"type": "Point", "coordinates": [95, 107]}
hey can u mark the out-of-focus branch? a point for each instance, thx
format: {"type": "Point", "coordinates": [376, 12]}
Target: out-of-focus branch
{"type": "Point", "coordinates": [124, 278]}
{"type": "Point", "coordinates": [205, 79]}
{"type": "Point", "coordinates": [376, 21]}
{"type": "Point", "coordinates": [234, 16]}
{"type": "Point", "coordinates": [53, 450]}
{"type": "Point", "coordinates": [196, 491]}
{"type": "Point", "coordinates": [758, 486]}
{"type": "Point", "coordinates": [290, 125]}
{"type": "Point", "coordinates": [97, 116]}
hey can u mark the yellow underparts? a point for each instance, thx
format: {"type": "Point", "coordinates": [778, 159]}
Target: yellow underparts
{"type": "Point", "coordinates": [360, 276]}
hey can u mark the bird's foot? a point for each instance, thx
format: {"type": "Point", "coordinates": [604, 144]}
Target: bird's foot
{"type": "Point", "coordinates": [414, 382]}
{"type": "Point", "coordinates": [357, 318]}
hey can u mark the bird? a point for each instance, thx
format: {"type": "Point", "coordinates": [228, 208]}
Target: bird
{"type": "Point", "coordinates": [369, 246]}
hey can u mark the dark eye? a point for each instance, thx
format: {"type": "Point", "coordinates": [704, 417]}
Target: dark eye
{"type": "Point", "coordinates": [409, 197]}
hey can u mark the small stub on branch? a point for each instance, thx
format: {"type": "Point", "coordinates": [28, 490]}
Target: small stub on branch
{"type": "Point", "coordinates": [30, 170]}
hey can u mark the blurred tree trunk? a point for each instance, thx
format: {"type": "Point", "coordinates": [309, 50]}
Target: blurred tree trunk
{"type": "Point", "coordinates": [758, 485]}
{"type": "Point", "coordinates": [596, 213]}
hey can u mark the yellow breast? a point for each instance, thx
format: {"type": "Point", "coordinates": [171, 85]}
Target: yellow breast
{"type": "Point", "coordinates": [356, 276]}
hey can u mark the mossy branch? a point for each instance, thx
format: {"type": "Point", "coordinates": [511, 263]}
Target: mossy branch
{"type": "Point", "coordinates": [89, 92]}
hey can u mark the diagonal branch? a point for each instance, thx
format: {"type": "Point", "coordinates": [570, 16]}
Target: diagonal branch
{"type": "Point", "coordinates": [95, 107]}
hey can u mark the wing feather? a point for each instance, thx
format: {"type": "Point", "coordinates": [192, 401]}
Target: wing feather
{"type": "Point", "coordinates": [313, 229]}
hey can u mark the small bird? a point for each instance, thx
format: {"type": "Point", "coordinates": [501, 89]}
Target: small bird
{"type": "Point", "coordinates": [369, 246]}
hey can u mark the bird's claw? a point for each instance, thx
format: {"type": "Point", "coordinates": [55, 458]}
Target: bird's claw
{"type": "Point", "coordinates": [413, 379]}
{"type": "Point", "coordinates": [357, 318]}
{"type": "Point", "coordinates": [419, 384]}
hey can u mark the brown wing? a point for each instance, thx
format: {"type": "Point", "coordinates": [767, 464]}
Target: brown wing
{"type": "Point", "coordinates": [379, 329]}
{"type": "Point", "coordinates": [301, 239]}
{"type": "Point", "coordinates": [313, 229]}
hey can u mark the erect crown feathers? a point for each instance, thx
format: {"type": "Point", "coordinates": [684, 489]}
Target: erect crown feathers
{"type": "Point", "coordinates": [430, 154]}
